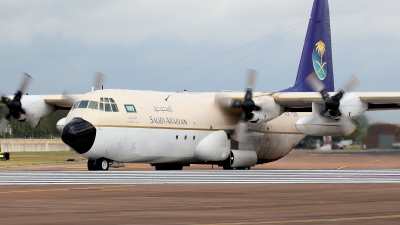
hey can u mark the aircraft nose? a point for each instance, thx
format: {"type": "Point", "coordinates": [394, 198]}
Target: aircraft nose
{"type": "Point", "coordinates": [79, 134]}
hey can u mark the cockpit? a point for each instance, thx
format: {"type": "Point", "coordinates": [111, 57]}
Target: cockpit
{"type": "Point", "coordinates": [105, 104]}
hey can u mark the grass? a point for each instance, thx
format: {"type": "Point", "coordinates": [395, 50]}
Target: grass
{"type": "Point", "coordinates": [37, 158]}
{"type": "Point", "coordinates": [352, 147]}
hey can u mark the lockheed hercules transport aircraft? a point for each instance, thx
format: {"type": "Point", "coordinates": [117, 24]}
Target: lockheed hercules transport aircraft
{"type": "Point", "coordinates": [234, 130]}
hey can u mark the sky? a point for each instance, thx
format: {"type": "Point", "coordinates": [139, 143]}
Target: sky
{"type": "Point", "coordinates": [204, 45]}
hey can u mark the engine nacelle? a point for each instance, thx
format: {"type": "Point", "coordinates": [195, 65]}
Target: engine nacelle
{"type": "Point", "coordinates": [243, 158]}
{"type": "Point", "coordinates": [214, 147]}
{"type": "Point", "coordinates": [269, 109]}
{"type": "Point", "coordinates": [315, 125]}
{"type": "Point", "coordinates": [35, 108]}
{"type": "Point", "coordinates": [351, 106]}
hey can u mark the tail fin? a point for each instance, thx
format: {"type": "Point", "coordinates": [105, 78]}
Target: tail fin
{"type": "Point", "coordinates": [317, 52]}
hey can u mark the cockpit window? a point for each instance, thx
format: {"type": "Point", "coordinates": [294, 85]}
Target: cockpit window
{"type": "Point", "coordinates": [76, 104]}
{"type": "Point", "coordinates": [114, 107]}
{"type": "Point", "coordinates": [93, 105]}
{"type": "Point", "coordinates": [83, 104]}
{"type": "Point", "coordinates": [107, 107]}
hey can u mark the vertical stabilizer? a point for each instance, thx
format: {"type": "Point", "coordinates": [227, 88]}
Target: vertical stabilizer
{"type": "Point", "coordinates": [317, 50]}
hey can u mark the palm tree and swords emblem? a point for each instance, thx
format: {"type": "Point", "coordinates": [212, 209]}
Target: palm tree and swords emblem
{"type": "Point", "coordinates": [317, 58]}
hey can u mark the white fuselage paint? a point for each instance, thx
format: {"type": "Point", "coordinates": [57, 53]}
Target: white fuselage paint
{"type": "Point", "coordinates": [167, 129]}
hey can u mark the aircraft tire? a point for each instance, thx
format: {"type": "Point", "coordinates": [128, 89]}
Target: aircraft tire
{"type": "Point", "coordinates": [91, 164]}
{"type": "Point", "coordinates": [236, 168]}
{"type": "Point", "coordinates": [102, 164]}
{"type": "Point", "coordinates": [227, 167]}
{"type": "Point", "coordinates": [242, 168]}
{"type": "Point", "coordinates": [168, 166]}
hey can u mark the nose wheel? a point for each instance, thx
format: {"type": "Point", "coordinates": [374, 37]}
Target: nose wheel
{"type": "Point", "coordinates": [98, 164]}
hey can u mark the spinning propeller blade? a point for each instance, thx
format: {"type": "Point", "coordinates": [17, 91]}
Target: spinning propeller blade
{"type": "Point", "coordinates": [247, 105]}
{"type": "Point", "coordinates": [98, 81]}
{"type": "Point", "coordinates": [332, 103]}
{"type": "Point", "coordinates": [14, 106]}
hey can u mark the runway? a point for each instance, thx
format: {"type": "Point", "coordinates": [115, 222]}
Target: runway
{"type": "Point", "coordinates": [201, 177]}
{"type": "Point", "coordinates": [303, 188]}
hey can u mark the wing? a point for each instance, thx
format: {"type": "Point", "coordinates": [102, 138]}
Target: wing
{"type": "Point", "coordinates": [381, 100]}
{"type": "Point", "coordinates": [302, 101]}
{"type": "Point", "coordinates": [59, 101]}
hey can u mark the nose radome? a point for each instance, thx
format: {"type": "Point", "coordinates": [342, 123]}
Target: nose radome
{"type": "Point", "coordinates": [79, 134]}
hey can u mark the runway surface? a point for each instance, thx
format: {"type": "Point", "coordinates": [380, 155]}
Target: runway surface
{"type": "Point", "coordinates": [201, 177]}
{"type": "Point", "coordinates": [208, 204]}
{"type": "Point", "coordinates": [305, 187]}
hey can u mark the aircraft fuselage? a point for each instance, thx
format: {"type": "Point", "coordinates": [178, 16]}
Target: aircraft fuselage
{"type": "Point", "coordinates": [161, 127]}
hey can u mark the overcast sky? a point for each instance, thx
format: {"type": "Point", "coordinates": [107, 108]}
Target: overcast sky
{"type": "Point", "coordinates": [62, 43]}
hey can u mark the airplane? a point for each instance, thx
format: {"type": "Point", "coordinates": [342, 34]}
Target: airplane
{"type": "Point", "coordinates": [235, 130]}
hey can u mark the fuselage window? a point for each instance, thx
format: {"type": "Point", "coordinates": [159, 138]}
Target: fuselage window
{"type": "Point", "coordinates": [112, 100]}
{"type": "Point", "coordinates": [83, 104]}
{"type": "Point", "coordinates": [107, 107]}
{"type": "Point", "coordinates": [93, 105]}
{"type": "Point", "coordinates": [76, 105]}
{"type": "Point", "coordinates": [106, 100]}
{"type": "Point", "coordinates": [101, 106]}
{"type": "Point", "coordinates": [114, 107]}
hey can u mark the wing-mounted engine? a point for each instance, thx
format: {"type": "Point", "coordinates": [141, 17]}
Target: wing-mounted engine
{"type": "Point", "coordinates": [351, 106]}
{"type": "Point", "coordinates": [334, 117]}
{"type": "Point", "coordinates": [318, 125]}
{"type": "Point", "coordinates": [24, 108]}
{"type": "Point", "coordinates": [259, 109]}
{"type": "Point", "coordinates": [35, 108]}
{"type": "Point", "coordinates": [268, 109]}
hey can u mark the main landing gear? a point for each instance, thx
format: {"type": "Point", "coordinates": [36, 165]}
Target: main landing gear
{"type": "Point", "coordinates": [228, 167]}
{"type": "Point", "coordinates": [168, 166]}
{"type": "Point", "coordinates": [98, 164]}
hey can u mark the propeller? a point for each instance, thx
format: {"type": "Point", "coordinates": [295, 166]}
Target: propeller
{"type": "Point", "coordinates": [70, 99]}
{"type": "Point", "coordinates": [14, 105]}
{"type": "Point", "coordinates": [98, 81]}
{"type": "Point", "coordinates": [332, 103]}
{"type": "Point", "coordinates": [247, 105]}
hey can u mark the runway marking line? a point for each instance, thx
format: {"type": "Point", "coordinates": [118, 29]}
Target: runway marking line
{"type": "Point", "coordinates": [374, 161]}
{"type": "Point", "coordinates": [309, 220]}
{"type": "Point", "coordinates": [69, 189]}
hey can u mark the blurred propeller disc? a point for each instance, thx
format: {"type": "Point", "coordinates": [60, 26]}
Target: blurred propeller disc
{"type": "Point", "coordinates": [98, 81]}
{"type": "Point", "coordinates": [332, 103]}
{"type": "Point", "coordinates": [247, 105]}
{"type": "Point", "coordinates": [14, 106]}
